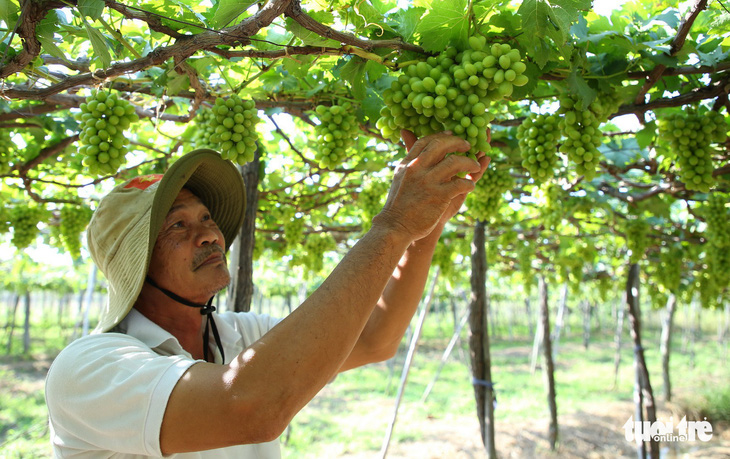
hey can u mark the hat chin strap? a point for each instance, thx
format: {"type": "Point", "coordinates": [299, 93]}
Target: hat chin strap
{"type": "Point", "coordinates": [205, 310]}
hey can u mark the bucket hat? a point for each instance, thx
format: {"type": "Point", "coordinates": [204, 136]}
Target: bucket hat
{"type": "Point", "coordinates": [123, 230]}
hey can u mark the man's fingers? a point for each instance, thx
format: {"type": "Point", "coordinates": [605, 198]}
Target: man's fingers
{"type": "Point", "coordinates": [484, 163]}
{"type": "Point", "coordinates": [409, 138]}
{"type": "Point", "coordinates": [431, 149]}
{"type": "Point", "coordinates": [454, 165]}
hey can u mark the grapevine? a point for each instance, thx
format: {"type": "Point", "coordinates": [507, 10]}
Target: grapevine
{"type": "Point", "coordinates": [336, 132]}
{"type": "Point", "coordinates": [690, 136]}
{"type": "Point", "coordinates": [538, 137]}
{"type": "Point", "coordinates": [24, 219]}
{"type": "Point", "coordinates": [104, 117]}
{"type": "Point", "coordinates": [6, 151]}
{"type": "Point", "coordinates": [637, 239]}
{"type": "Point", "coordinates": [486, 199]}
{"type": "Point", "coordinates": [233, 129]}
{"type": "Point", "coordinates": [452, 91]}
{"type": "Point", "coordinates": [73, 222]}
{"type": "Point", "coordinates": [581, 129]}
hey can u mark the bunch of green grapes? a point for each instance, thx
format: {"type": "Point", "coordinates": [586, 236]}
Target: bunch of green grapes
{"type": "Point", "coordinates": [581, 129]}
{"type": "Point", "coordinates": [669, 270]}
{"type": "Point", "coordinates": [717, 218]}
{"type": "Point", "coordinates": [538, 137]}
{"type": "Point", "coordinates": [690, 136]}
{"type": "Point", "coordinates": [293, 230]}
{"type": "Point", "coordinates": [103, 118]}
{"type": "Point", "coordinates": [6, 151]}
{"type": "Point", "coordinates": [452, 91]}
{"type": "Point", "coordinates": [443, 257]}
{"type": "Point", "coordinates": [205, 125]}
{"type": "Point", "coordinates": [486, 199]}
{"type": "Point", "coordinates": [24, 219]}
{"type": "Point", "coordinates": [549, 199]}
{"type": "Point", "coordinates": [371, 199]}
{"type": "Point", "coordinates": [234, 128]}
{"type": "Point", "coordinates": [336, 133]}
{"type": "Point", "coordinates": [637, 238]}
{"type": "Point", "coordinates": [73, 221]}
{"type": "Point", "coordinates": [315, 247]}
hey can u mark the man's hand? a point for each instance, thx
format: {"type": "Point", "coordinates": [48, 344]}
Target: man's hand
{"type": "Point", "coordinates": [426, 186]}
{"type": "Point", "coordinates": [409, 139]}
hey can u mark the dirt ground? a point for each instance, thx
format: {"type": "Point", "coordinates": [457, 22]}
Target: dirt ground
{"type": "Point", "coordinates": [593, 434]}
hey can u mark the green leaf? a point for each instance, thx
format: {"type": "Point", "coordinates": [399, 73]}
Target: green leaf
{"type": "Point", "coordinates": [578, 86]}
{"type": "Point", "coordinates": [446, 23]}
{"type": "Point", "coordinates": [646, 136]}
{"type": "Point", "coordinates": [228, 11]}
{"type": "Point", "coordinates": [354, 73]}
{"type": "Point", "coordinates": [405, 22]}
{"type": "Point", "coordinates": [8, 12]}
{"type": "Point", "coordinates": [50, 47]}
{"type": "Point", "coordinates": [99, 44]}
{"type": "Point", "coordinates": [541, 18]}
{"type": "Point", "coordinates": [91, 8]}
{"type": "Point", "coordinates": [308, 37]}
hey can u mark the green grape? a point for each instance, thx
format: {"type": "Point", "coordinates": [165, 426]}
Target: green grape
{"type": "Point", "coordinates": [581, 129]}
{"type": "Point", "coordinates": [538, 137]}
{"type": "Point", "coordinates": [293, 230]}
{"type": "Point", "coordinates": [690, 136]}
{"type": "Point", "coordinates": [315, 247]}
{"type": "Point", "coordinates": [103, 118]}
{"type": "Point", "coordinates": [371, 199]}
{"type": "Point", "coordinates": [717, 218]}
{"type": "Point", "coordinates": [24, 219]}
{"type": "Point", "coordinates": [7, 147]}
{"type": "Point", "coordinates": [637, 238]}
{"type": "Point", "coordinates": [452, 91]}
{"type": "Point", "coordinates": [232, 128]}
{"type": "Point", "coordinates": [669, 271]}
{"type": "Point", "coordinates": [336, 133]}
{"type": "Point", "coordinates": [205, 127]}
{"type": "Point", "coordinates": [550, 202]}
{"type": "Point", "coordinates": [73, 221]}
{"type": "Point", "coordinates": [486, 199]}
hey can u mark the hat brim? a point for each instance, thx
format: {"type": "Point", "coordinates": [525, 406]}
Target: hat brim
{"type": "Point", "coordinates": [218, 184]}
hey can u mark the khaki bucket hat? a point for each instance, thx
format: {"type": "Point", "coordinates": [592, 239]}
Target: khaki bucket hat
{"type": "Point", "coordinates": [125, 225]}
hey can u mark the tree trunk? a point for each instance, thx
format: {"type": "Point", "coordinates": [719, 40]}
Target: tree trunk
{"type": "Point", "coordinates": [26, 325]}
{"type": "Point", "coordinates": [560, 320]}
{"type": "Point", "coordinates": [642, 388]}
{"type": "Point", "coordinates": [528, 312]}
{"type": "Point", "coordinates": [11, 324]}
{"type": "Point", "coordinates": [617, 343]}
{"type": "Point", "coordinates": [667, 343]}
{"type": "Point", "coordinates": [548, 367]}
{"type": "Point", "coordinates": [242, 279]}
{"type": "Point", "coordinates": [479, 340]}
{"type": "Point", "coordinates": [587, 313]}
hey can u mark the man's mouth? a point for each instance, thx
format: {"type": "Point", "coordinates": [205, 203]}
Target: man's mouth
{"type": "Point", "coordinates": [213, 258]}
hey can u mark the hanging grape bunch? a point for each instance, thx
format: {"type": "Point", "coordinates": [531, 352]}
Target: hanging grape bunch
{"type": "Point", "coordinates": [205, 125]}
{"type": "Point", "coordinates": [637, 238]}
{"type": "Point", "coordinates": [452, 91]}
{"type": "Point", "coordinates": [24, 219]}
{"type": "Point", "coordinates": [486, 199]}
{"type": "Point", "coordinates": [371, 199]}
{"type": "Point", "coordinates": [538, 137]}
{"type": "Point", "coordinates": [103, 118]}
{"type": "Point", "coordinates": [6, 151]}
{"type": "Point", "coordinates": [73, 221]}
{"type": "Point", "coordinates": [581, 129]}
{"type": "Point", "coordinates": [234, 128]}
{"type": "Point", "coordinates": [336, 132]}
{"type": "Point", "coordinates": [690, 136]}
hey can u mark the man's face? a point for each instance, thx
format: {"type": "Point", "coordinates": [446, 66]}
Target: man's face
{"type": "Point", "coordinates": [189, 256]}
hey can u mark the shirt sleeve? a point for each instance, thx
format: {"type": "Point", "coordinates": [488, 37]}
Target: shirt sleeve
{"type": "Point", "coordinates": [249, 325]}
{"type": "Point", "coordinates": [108, 392]}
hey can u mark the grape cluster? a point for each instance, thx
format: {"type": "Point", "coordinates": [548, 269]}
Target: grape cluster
{"type": "Point", "coordinates": [371, 199]}
{"type": "Point", "coordinates": [538, 137]}
{"type": "Point", "coordinates": [293, 230]}
{"type": "Point", "coordinates": [73, 221]}
{"type": "Point", "coordinates": [205, 125]}
{"type": "Point", "coordinates": [550, 201]}
{"type": "Point", "coordinates": [24, 219]}
{"type": "Point", "coordinates": [315, 247]}
{"type": "Point", "coordinates": [233, 127]}
{"type": "Point", "coordinates": [104, 118]}
{"type": "Point", "coordinates": [689, 136]}
{"type": "Point", "coordinates": [581, 129]}
{"type": "Point", "coordinates": [452, 91]}
{"type": "Point", "coordinates": [6, 151]}
{"type": "Point", "coordinates": [669, 270]}
{"type": "Point", "coordinates": [637, 238]}
{"type": "Point", "coordinates": [336, 132]}
{"type": "Point", "coordinates": [717, 218]}
{"type": "Point", "coordinates": [486, 199]}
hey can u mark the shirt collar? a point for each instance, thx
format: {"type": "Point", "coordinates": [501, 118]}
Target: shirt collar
{"type": "Point", "coordinates": [164, 343]}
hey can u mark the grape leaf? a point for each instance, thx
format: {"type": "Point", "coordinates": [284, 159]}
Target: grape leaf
{"type": "Point", "coordinates": [646, 136]}
{"type": "Point", "coordinates": [8, 12]}
{"type": "Point", "coordinates": [98, 42]}
{"type": "Point", "coordinates": [91, 8]}
{"type": "Point", "coordinates": [542, 17]}
{"type": "Point", "coordinates": [445, 24]}
{"type": "Point", "coordinates": [406, 21]}
{"type": "Point", "coordinates": [228, 10]}
{"type": "Point", "coordinates": [578, 86]}
{"type": "Point", "coordinates": [307, 36]}
{"type": "Point", "coordinates": [354, 73]}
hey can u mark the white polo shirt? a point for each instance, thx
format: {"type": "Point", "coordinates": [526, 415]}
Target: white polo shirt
{"type": "Point", "coordinates": [107, 393]}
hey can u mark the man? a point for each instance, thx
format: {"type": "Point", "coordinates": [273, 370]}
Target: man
{"type": "Point", "coordinates": [161, 380]}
